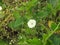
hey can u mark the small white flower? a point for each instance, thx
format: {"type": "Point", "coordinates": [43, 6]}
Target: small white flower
{"type": "Point", "coordinates": [0, 8]}
{"type": "Point", "coordinates": [31, 23]}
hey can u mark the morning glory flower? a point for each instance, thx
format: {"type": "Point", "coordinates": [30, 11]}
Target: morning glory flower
{"type": "Point", "coordinates": [31, 23]}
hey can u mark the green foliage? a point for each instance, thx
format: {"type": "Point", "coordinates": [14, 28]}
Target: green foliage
{"type": "Point", "coordinates": [3, 42]}
{"type": "Point", "coordinates": [34, 41]}
{"type": "Point", "coordinates": [56, 40]}
{"type": "Point", "coordinates": [15, 16]}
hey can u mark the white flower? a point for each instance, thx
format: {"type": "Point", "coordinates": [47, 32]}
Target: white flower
{"type": "Point", "coordinates": [31, 23]}
{"type": "Point", "coordinates": [0, 8]}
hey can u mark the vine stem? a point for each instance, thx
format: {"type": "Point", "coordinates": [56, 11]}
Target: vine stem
{"type": "Point", "coordinates": [45, 41]}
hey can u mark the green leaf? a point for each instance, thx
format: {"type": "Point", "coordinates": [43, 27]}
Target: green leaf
{"type": "Point", "coordinates": [44, 36]}
{"type": "Point", "coordinates": [30, 4]}
{"type": "Point", "coordinates": [21, 8]}
{"type": "Point", "coordinates": [49, 42]}
{"type": "Point", "coordinates": [48, 8]}
{"type": "Point", "coordinates": [27, 6]}
{"type": "Point", "coordinates": [53, 26]}
{"type": "Point", "coordinates": [0, 2]}
{"type": "Point", "coordinates": [16, 23]}
{"type": "Point", "coordinates": [2, 42]}
{"type": "Point", "coordinates": [56, 39]}
{"type": "Point", "coordinates": [16, 14]}
{"type": "Point", "coordinates": [35, 41]}
{"type": "Point", "coordinates": [53, 2]}
{"type": "Point", "coordinates": [42, 14]}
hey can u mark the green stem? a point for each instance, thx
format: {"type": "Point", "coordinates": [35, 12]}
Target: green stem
{"type": "Point", "coordinates": [45, 41]}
